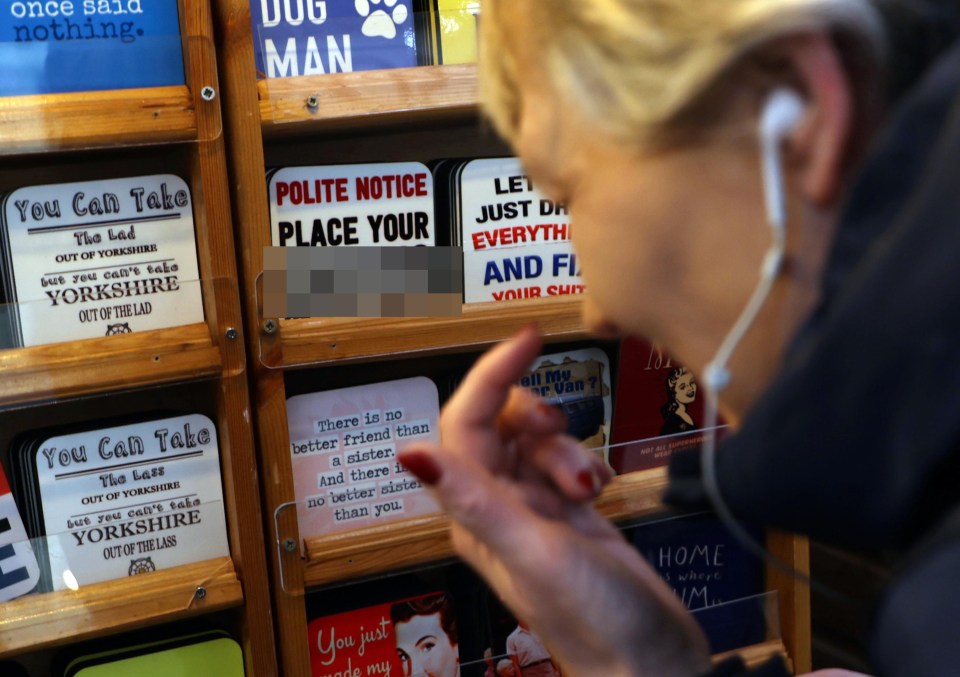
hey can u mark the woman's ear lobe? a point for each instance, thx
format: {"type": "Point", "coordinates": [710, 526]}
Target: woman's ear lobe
{"type": "Point", "coordinates": [820, 144]}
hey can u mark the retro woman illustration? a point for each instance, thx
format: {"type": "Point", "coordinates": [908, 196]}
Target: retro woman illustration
{"type": "Point", "coordinates": [426, 635]}
{"type": "Point", "coordinates": [681, 391]}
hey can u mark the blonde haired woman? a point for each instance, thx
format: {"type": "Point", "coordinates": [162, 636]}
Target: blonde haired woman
{"type": "Point", "coordinates": [643, 116]}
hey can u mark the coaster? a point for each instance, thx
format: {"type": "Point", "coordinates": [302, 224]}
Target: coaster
{"type": "Point", "coordinates": [578, 382]}
{"type": "Point", "coordinates": [516, 242]}
{"type": "Point", "coordinates": [344, 446]}
{"type": "Point", "coordinates": [386, 204]}
{"type": "Point", "coordinates": [87, 45]}
{"type": "Point", "coordinates": [305, 37]}
{"type": "Point", "coordinates": [126, 500]}
{"type": "Point", "coordinates": [100, 258]}
{"type": "Point", "coordinates": [19, 571]}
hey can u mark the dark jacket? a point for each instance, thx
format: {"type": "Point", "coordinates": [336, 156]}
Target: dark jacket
{"type": "Point", "coordinates": [857, 441]}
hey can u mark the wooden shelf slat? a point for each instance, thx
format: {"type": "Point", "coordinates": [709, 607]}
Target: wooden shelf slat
{"type": "Point", "coordinates": [320, 341]}
{"type": "Point", "coordinates": [80, 120]}
{"type": "Point", "coordinates": [395, 94]}
{"type": "Point", "coordinates": [40, 621]}
{"type": "Point", "coordinates": [409, 543]}
{"type": "Point", "coordinates": [758, 653]}
{"type": "Point", "coordinates": [81, 367]}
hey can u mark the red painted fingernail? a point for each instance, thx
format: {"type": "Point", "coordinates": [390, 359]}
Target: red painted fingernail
{"type": "Point", "coordinates": [423, 467]}
{"type": "Point", "coordinates": [588, 481]}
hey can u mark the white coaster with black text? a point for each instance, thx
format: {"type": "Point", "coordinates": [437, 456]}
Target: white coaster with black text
{"type": "Point", "coordinates": [99, 258]}
{"type": "Point", "coordinates": [131, 499]}
{"type": "Point", "coordinates": [383, 204]}
{"type": "Point", "coordinates": [516, 242]}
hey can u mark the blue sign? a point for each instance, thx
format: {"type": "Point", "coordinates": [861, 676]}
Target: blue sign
{"type": "Point", "coordinates": [712, 574]}
{"type": "Point", "coordinates": [311, 37]}
{"type": "Point", "coordinates": [53, 46]}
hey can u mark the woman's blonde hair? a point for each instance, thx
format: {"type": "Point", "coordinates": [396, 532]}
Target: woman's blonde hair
{"type": "Point", "coordinates": [635, 66]}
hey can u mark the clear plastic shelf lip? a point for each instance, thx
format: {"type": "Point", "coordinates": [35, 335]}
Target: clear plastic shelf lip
{"type": "Point", "coordinates": [177, 110]}
{"type": "Point", "coordinates": [106, 545]}
{"type": "Point", "coordinates": [185, 349]}
{"type": "Point", "coordinates": [134, 303]}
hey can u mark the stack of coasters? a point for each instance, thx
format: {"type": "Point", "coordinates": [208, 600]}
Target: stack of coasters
{"type": "Point", "coordinates": [98, 258]}
{"type": "Point", "coordinates": [120, 501]}
{"type": "Point", "coordinates": [10, 669]}
{"type": "Point", "coordinates": [455, 25]}
{"type": "Point", "coordinates": [383, 204]}
{"type": "Point", "coordinates": [19, 572]}
{"type": "Point", "coordinates": [578, 382]}
{"type": "Point", "coordinates": [92, 45]}
{"type": "Point", "coordinates": [708, 569]}
{"type": "Point", "coordinates": [305, 37]}
{"type": "Point", "coordinates": [659, 408]}
{"type": "Point", "coordinates": [516, 243]}
{"type": "Point", "coordinates": [344, 445]}
{"type": "Point", "coordinates": [199, 655]}
{"type": "Point", "coordinates": [387, 639]}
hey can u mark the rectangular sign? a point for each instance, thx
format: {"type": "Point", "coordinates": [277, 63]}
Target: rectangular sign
{"type": "Point", "coordinates": [86, 45]}
{"type": "Point", "coordinates": [708, 569]}
{"type": "Point", "coordinates": [131, 499]}
{"type": "Point", "coordinates": [516, 243]}
{"type": "Point", "coordinates": [344, 446]}
{"type": "Point", "coordinates": [659, 409]}
{"type": "Point", "coordinates": [386, 204]}
{"type": "Point", "coordinates": [405, 637]}
{"type": "Point", "coordinates": [19, 572]}
{"type": "Point", "coordinates": [578, 382]}
{"type": "Point", "coordinates": [313, 37]}
{"type": "Point", "coordinates": [98, 258]}
{"type": "Point", "coordinates": [457, 22]}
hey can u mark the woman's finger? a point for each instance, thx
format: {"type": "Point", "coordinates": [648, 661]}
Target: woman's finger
{"type": "Point", "coordinates": [477, 403]}
{"type": "Point", "coordinates": [578, 473]}
{"type": "Point", "coordinates": [472, 497]}
{"type": "Point", "coordinates": [526, 414]}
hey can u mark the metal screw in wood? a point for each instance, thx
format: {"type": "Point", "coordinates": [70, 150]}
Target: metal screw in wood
{"type": "Point", "coordinates": [200, 593]}
{"type": "Point", "coordinates": [270, 327]}
{"type": "Point", "coordinates": [313, 102]}
{"type": "Point", "coordinates": [232, 334]}
{"type": "Point", "coordinates": [290, 545]}
{"type": "Point", "coordinates": [208, 93]}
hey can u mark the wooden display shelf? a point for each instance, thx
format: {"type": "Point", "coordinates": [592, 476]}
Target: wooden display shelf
{"type": "Point", "coordinates": [410, 543]}
{"type": "Point", "coordinates": [758, 653]}
{"type": "Point", "coordinates": [398, 94]}
{"type": "Point", "coordinates": [76, 368]}
{"type": "Point", "coordinates": [322, 341]}
{"type": "Point", "coordinates": [49, 122]}
{"type": "Point", "coordinates": [40, 621]}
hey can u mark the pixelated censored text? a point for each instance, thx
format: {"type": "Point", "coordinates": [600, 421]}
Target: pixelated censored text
{"type": "Point", "coordinates": [362, 281]}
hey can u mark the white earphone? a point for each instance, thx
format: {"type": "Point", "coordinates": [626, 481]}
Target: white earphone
{"type": "Point", "coordinates": [781, 114]}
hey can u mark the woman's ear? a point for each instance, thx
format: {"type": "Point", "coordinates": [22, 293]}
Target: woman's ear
{"type": "Point", "coordinates": [819, 146]}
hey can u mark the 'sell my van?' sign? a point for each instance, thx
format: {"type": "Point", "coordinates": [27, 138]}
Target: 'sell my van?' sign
{"type": "Point", "coordinates": [51, 46]}
{"type": "Point", "coordinates": [312, 37]}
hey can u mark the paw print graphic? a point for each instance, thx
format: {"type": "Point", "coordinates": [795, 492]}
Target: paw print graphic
{"type": "Point", "coordinates": [381, 23]}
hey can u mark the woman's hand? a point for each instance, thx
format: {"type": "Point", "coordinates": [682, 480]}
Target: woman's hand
{"type": "Point", "coordinates": [519, 495]}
